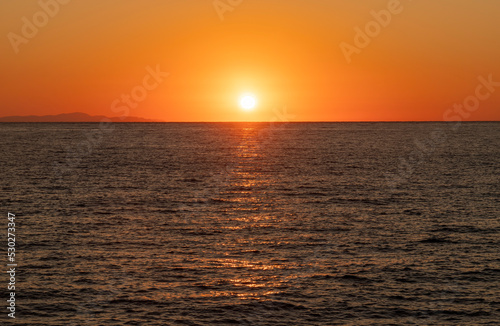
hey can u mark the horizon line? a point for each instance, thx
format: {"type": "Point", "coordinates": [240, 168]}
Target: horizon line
{"type": "Point", "coordinates": [281, 122]}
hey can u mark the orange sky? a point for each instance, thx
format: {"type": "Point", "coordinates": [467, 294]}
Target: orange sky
{"type": "Point", "coordinates": [289, 53]}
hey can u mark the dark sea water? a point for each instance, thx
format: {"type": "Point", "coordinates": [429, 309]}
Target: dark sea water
{"type": "Point", "coordinates": [253, 223]}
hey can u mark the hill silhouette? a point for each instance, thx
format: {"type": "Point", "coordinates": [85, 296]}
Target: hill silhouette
{"type": "Point", "coordinates": [72, 117]}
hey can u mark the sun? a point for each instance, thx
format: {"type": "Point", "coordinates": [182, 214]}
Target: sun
{"type": "Point", "coordinates": [248, 102]}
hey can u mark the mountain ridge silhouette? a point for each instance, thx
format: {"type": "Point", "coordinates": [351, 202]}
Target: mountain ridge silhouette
{"type": "Point", "coordinates": [73, 117]}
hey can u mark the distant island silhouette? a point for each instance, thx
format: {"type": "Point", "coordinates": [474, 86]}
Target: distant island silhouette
{"type": "Point", "coordinates": [72, 117]}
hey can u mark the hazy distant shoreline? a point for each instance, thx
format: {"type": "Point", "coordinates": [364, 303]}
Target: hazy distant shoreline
{"type": "Point", "coordinates": [73, 117]}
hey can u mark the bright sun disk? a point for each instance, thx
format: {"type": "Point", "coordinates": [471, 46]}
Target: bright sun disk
{"type": "Point", "coordinates": [248, 102]}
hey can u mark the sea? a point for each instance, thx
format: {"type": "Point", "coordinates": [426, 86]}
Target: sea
{"type": "Point", "coordinates": [251, 223]}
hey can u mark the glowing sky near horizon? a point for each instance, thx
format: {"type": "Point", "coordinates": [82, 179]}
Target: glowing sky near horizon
{"type": "Point", "coordinates": [178, 61]}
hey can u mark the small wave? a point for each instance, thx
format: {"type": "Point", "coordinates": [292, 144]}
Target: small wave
{"type": "Point", "coordinates": [355, 278]}
{"type": "Point", "coordinates": [436, 240]}
{"type": "Point", "coordinates": [464, 229]}
{"type": "Point", "coordinates": [191, 180]}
